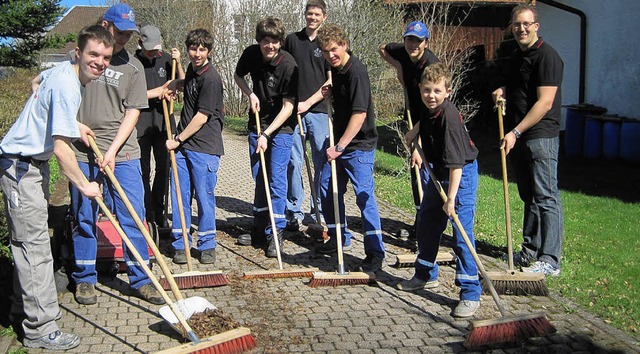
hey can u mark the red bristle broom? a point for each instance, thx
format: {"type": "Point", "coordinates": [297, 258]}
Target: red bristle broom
{"type": "Point", "coordinates": [233, 341]}
{"type": "Point", "coordinates": [191, 278]}
{"type": "Point", "coordinates": [510, 281]}
{"type": "Point", "coordinates": [281, 272]}
{"type": "Point", "coordinates": [341, 277]}
{"type": "Point", "coordinates": [507, 329]}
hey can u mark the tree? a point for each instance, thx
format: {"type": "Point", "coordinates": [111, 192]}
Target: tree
{"type": "Point", "coordinates": [23, 24]}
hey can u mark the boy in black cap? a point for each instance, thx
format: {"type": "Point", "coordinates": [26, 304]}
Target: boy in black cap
{"type": "Point", "coordinates": [275, 87]}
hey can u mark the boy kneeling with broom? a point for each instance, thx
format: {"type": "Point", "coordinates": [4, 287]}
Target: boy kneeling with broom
{"type": "Point", "coordinates": [448, 147]}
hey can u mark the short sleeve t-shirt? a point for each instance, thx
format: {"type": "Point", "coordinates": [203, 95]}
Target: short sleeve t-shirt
{"type": "Point", "coordinates": [157, 72]}
{"type": "Point", "coordinates": [539, 65]}
{"type": "Point", "coordinates": [51, 111]}
{"type": "Point", "coordinates": [352, 93]}
{"type": "Point", "coordinates": [272, 81]}
{"type": "Point", "coordinates": [445, 139]}
{"type": "Point", "coordinates": [312, 67]}
{"type": "Point", "coordinates": [122, 86]}
{"type": "Point", "coordinates": [203, 94]}
{"type": "Point", "coordinates": [411, 73]}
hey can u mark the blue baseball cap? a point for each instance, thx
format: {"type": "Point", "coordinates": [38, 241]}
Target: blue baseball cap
{"type": "Point", "coordinates": [417, 29]}
{"type": "Point", "coordinates": [122, 17]}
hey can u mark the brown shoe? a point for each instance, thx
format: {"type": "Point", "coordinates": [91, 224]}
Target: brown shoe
{"type": "Point", "coordinates": [86, 294]}
{"type": "Point", "coordinates": [149, 293]}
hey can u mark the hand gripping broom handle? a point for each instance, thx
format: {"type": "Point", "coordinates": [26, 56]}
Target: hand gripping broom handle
{"type": "Point", "coordinates": [267, 191]}
{"type": "Point", "coordinates": [174, 307]}
{"type": "Point", "coordinates": [312, 185]}
{"type": "Point", "coordinates": [505, 184]}
{"type": "Point", "coordinates": [180, 206]}
{"type": "Point", "coordinates": [456, 220]}
{"type": "Point", "coordinates": [136, 218]}
{"type": "Point", "coordinates": [334, 187]}
{"type": "Point", "coordinates": [416, 168]}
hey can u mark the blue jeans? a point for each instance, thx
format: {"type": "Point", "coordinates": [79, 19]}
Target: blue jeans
{"type": "Point", "coordinates": [276, 158]}
{"type": "Point", "coordinates": [85, 212]}
{"type": "Point", "coordinates": [316, 130]}
{"type": "Point", "coordinates": [356, 166]}
{"type": "Point", "coordinates": [197, 172]}
{"type": "Point", "coordinates": [154, 194]}
{"type": "Point", "coordinates": [424, 179]}
{"type": "Point", "coordinates": [432, 221]}
{"type": "Point", "coordinates": [536, 166]}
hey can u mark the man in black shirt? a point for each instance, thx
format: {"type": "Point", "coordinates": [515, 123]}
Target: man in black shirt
{"type": "Point", "coordinates": [356, 138]}
{"type": "Point", "coordinates": [532, 90]}
{"type": "Point", "coordinates": [274, 75]}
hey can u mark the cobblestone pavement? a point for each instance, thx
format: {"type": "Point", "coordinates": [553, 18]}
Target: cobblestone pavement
{"type": "Point", "coordinates": [286, 315]}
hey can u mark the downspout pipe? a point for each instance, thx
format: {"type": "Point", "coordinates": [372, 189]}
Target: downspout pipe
{"type": "Point", "coordinates": [583, 42]}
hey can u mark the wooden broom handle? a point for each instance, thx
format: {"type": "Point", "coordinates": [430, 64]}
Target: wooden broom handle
{"type": "Point", "coordinates": [500, 105]}
{"type": "Point", "coordinates": [334, 187]}
{"type": "Point", "coordinates": [416, 168]}
{"type": "Point", "coordinates": [174, 63]}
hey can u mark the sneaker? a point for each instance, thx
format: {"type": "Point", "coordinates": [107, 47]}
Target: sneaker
{"type": "Point", "coordinates": [543, 267]}
{"type": "Point", "coordinates": [86, 294]}
{"type": "Point", "coordinates": [293, 224]}
{"type": "Point", "coordinates": [330, 246]}
{"type": "Point", "coordinates": [180, 257]}
{"type": "Point", "coordinates": [417, 284]}
{"type": "Point", "coordinates": [371, 264]}
{"type": "Point", "coordinates": [403, 234]}
{"type": "Point", "coordinates": [149, 293]}
{"type": "Point", "coordinates": [466, 308]}
{"type": "Point", "coordinates": [520, 259]}
{"type": "Point", "coordinates": [208, 256]}
{"type": "Point", "coordinates": [270, 252]}
{"type": "Point", "coordinates": [54, 341]}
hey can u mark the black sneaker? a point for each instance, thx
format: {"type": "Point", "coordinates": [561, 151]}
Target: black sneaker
{"type": "Point", "coordinates": [244, 240]}
{"type": "Point", "coordinates": [520, 259]}
{"type": "Point", "coordinates": [86, 294]}
{"type": "Point", "coordinates": [54, 341]}
{"type": "Point", "coordinates": [270, 252]}
{"type": "Point", "coordinates": [180, 257]}
{"type": "Point", "coordinates": [208, 256]}
{"type": "Point", "coordinates": [371, 264]}
{"type": "Point", "coordinates": [403, 234]}
{"type": "Point", "coordinates": [149, 293]}
{"type": "Point", "coordinates": [293, 224]}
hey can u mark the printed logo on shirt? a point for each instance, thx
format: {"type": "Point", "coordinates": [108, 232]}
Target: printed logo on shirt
{"type": "Point", "coordinates": [317, 53]}
{"type": "Point", "coordinates": [111, 77]}
{"type": "Point", "coordinates": [162, 72]}
{"type": "Point", "coordinates": [271, 81]}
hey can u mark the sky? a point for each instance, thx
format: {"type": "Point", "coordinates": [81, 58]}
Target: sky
{"type": "Point", "coordinates": [70, 3]}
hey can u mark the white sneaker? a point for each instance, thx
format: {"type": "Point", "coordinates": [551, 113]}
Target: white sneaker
{"type": "Point", "coordinates": [466, 308]}
{"type": "Point", "coordinates": [54, 341]}
{"type": "Point", "coordinates": [543, 267]}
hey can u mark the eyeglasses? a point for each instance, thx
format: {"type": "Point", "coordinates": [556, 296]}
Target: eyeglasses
{"type": "Point", "coordinates": [526, 25]}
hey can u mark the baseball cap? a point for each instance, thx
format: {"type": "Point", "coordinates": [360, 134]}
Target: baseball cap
{"type": "Point", "coordinates": [150, 38]}
{"type": "Point", "coordinates": [122, 17]}
{"type": "Point", "coordinates": [417, 29]}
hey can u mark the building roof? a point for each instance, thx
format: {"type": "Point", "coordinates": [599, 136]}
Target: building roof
{"type": "Point", "coordinates": [73, 21]}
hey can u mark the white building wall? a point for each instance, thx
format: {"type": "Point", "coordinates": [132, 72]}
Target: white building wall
{"type": "Point", "coordinates": [612, 58]}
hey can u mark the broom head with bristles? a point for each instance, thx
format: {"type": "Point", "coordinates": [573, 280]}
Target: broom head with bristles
{"type": "Point", "coordinates": [335, 279]}
{"type": "Point", "coordinates": [280, 273]}
{"type": "Point", "coordinates": [234, 341]}
{"type": "Point", "coordinates": [508, 329]}
{"type": "Point", "coordinates": [408, 260]}
{"type": "Point", "coordinates": [512, 282]}
{"type": "Point", "coordinates": [196, 279]}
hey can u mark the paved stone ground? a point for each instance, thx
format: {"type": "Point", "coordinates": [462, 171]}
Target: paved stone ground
{"type": "Point", "coordinates": [286, 315]}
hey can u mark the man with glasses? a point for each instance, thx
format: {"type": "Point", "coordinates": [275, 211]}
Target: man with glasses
{"type": "Point", "coordinates": [532, 90]}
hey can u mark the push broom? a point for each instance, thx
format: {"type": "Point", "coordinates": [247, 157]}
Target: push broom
{"type": "Point", "coordinates": [510, 281]}
{"type": "Point", "coordinates": [191, 278]}
{"type": "Point", "coordinates": [234, 341]}
{"type": "Point", "coordinates": [341, 277]}
{"type": "Point", "coordinates": [281, 272]}
{"type": "Point", "coordinates": [408, 260]}
{"type": "Point", "coordinates": [506, 329]}
{"type": "Point", "coordinates": [208, 279]}
{"type": "Point", "coordinates": [316, 229]}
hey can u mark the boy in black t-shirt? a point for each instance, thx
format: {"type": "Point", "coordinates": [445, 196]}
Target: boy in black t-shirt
{"type": "Point", "coordinates": [198, 146]}
{"type": "Point", "coordinates": [356, 137]}
{"type": "Point", "coordinates": [275, 84]}
{"type": "Point", "coordinates": [449, 149]}
{"type": "Point", "coordinates": [409, 58]}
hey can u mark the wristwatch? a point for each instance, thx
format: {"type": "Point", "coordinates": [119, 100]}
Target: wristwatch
{"type": "Point", "coordinates": [177, 138]}
{"type": "Point", "coordinates": [516, 133]}
{"type": "Point", "coordinates": [339, 148]}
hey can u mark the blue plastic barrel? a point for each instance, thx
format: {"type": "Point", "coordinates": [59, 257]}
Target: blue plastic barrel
{"type": "Point", "coordinates": [630, 140]}
{"type": "Point", "coordinates": [611, 137]}
{"type": "Point", "coordinates": [574, 127]}
{"type": "Point", "coordinates": [592, 143]}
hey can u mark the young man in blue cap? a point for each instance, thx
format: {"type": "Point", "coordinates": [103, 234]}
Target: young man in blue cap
{"type": "Point", "coordinates": [46, 126]}
{"type": "Point", "coordinates": [409, 59]}
{"type": "Point", "coordinates": [111, 107]}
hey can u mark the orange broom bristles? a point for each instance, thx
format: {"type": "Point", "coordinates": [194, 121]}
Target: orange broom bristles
{"type": "Point", "coordinates": [195, 279]}
{"type": "Point", "coordinates": [230, 342]}
{"type": "Point", "coordinates": [335, 279]}
{"type": "Point", "coordinates": [508, 329]}
{"type": "Point", "coordinates": [278, 273]}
